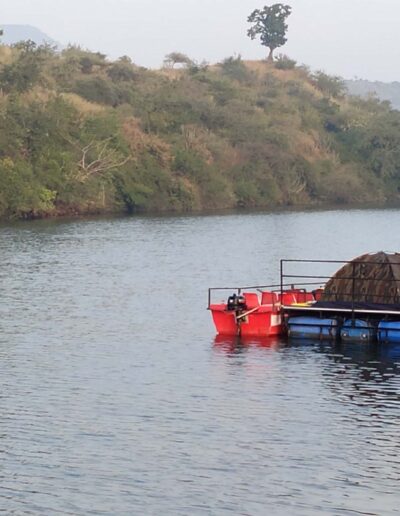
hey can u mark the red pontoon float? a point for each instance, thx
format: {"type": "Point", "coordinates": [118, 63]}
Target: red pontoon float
{"type": "Point", "coordinates": [255, 314]}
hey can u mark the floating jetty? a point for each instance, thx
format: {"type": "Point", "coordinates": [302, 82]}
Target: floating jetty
{"type": "Point", "coordinates": [359, 302]}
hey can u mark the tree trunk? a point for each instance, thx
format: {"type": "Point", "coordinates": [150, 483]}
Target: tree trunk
{"type": "Point", "coordinates": [270, 58]}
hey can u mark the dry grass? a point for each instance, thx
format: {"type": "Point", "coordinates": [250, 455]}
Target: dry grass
{"type": "Point", "coordinates": [171, 73]}
{"type": "Point", "coordinates": [312, 149]}
{"type": "Point", "coordinates": [140, 142]}
{"type": "Point", "coordinates": [263, 68]}
{"type": "Point", "coordinates": [83, 106]}
{"type": "Point", "coordinates": [37, 94]}
{"type": "Point", "coordinates": [6, 55]}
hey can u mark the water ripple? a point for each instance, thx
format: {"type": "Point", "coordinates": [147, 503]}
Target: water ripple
{"type": "Point", "coordinates": [115, 399]}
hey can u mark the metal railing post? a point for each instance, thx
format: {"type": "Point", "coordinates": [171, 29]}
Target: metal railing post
{"type": "Point", "coordinates": [352, 295]}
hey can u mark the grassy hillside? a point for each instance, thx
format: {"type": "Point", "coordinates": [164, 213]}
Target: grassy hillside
{"type": "Point", "coordinates": [80, 134]}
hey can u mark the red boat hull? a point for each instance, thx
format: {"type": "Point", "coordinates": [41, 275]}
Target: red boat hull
{"type": "Point", "coordinates": [263, 323]}
{"type": "Point", "coordinates": [261, 318]}
{"type": "Point", "coordinates": [225, 322]}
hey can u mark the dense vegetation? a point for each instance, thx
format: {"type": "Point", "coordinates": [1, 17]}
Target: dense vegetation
{"type": "Point", "coordinates": [80, 134]}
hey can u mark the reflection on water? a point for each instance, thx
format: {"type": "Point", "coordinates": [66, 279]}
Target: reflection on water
{"type": "Point", "coordinates": [367, 374]}
{"type": "Point", "coordinates": [115, 399]}
{"type": "Point", "coordinates": [234, 345]}
{"type": "Point", "coordinates": [347, 395]}
{"type": "Point", "coordinates": [371, 369]}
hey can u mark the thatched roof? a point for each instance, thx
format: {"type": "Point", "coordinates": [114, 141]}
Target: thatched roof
{"type": "Point", "coordinates": [370, 278]}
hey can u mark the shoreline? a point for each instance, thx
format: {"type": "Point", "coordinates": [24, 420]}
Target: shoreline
{"type": "Point", "coordinates": [73, 217]}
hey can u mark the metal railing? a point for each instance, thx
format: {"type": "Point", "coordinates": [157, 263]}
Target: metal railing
{"type": "Point", "coordinates": [359, 288]}
{"type": "Point", "coordinates": [239, 290]}
{"type": "Point", "coordinates": [376, 297]}
{"type": "Point", "coordinates": [352, 294]}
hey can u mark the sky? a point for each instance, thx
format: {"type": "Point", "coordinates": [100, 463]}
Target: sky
{"type": "Point", "coordinates": [350, 38]}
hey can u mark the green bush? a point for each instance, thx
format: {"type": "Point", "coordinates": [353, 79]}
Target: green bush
{"type": "Point", "coordinates": [20, 194]}
{"type": "Point", "coordinates": [247, 194]}
{"type": "Point", "coordinates": [189, 164]}
{"type": "Point", "coordinates": [96, 89]}
{"type": "Point", "coordinates": [121, 72]}
{"type": "Point", "coordinates": [331, 86]}
{"type": "Point", "coordinates": [25, 72]}
{"type": "Point", "coordinates": [283, 62]}
{"type": "Point", "coordinates": [235, 68]}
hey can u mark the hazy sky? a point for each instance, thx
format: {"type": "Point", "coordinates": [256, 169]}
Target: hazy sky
{"type": "Point", "coordinates": [346, 37]}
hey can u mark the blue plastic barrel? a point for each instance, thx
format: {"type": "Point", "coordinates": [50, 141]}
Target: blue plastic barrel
{"type": "Point", "coordinates": [358, 330]}
{"type": "Point", "coordinates": [389, 331]}
{"type": "Point", "coordinates": [312, 328]}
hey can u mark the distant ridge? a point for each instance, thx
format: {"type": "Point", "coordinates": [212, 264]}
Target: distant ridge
{"type": "Point", "coordinates": [383, 90]}
{"type": "Point", "coordinates": [14, 33]}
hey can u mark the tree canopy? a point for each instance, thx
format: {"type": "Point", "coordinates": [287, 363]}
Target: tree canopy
{"type": "Point", "coordinates": [270, 25]}
{"type": "Point", "coordinates": [174, 58]}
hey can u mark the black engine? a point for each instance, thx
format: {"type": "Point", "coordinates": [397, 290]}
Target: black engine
{"type": "Point", "coordinates": [236, 303]}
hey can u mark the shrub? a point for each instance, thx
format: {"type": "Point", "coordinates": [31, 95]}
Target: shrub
{"type": "Point", "coordinates": [96, 89]}
{"type": "Point", "coordinates": [20, 194]}
{"type": "Point", "coordinates": [247, 194]}
{"type": "Point", "coordinates": [119, 72]}
{"type": "Point", "coordinates": [189, 164]}
{"type": "Point", "coordinates": [25, 72]}
{"type": "Point", "coordinates": [332, 86]}
{"type": "Point", "coordinates": [87, 60]}
{"type": "Point", "coordinates": [283, 62]}
{"type": "Point", "coordinates": [234, 68]}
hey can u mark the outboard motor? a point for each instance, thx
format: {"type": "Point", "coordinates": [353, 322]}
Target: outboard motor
{"type": "Point", "coordinates": [236, 303]}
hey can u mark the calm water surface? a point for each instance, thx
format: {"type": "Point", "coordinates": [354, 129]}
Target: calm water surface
{"type": "Point", "coordinates": [116, 398]}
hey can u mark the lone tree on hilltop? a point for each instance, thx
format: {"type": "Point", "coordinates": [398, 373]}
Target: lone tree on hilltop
{"type": "Point", "coordinates": [270, 25]}
{"type": "Point", "coordinates": [177, 58]}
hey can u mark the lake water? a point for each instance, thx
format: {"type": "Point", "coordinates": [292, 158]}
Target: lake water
{"type": "Point", "coordinates": [117, 399]}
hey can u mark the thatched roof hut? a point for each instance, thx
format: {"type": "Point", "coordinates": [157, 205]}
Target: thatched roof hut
{"type": "Point", "coordinates": [370, 278]}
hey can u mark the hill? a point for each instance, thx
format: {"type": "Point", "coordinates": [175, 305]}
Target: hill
{"type": "Point", "coordinates": [389, 91]}
{"type": "Point", "coordinates": [15, 33]}
{"type": "Point", "coordinates": [80, 134]}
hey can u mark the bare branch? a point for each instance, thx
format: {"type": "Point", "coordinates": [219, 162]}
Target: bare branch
{"type": "Point", "coordinates": [97, 159]}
